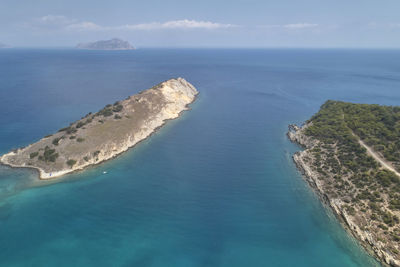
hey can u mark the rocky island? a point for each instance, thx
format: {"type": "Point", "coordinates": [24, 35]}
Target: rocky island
{"type": "Point", "coordinates": [352, 160]}
{"type": "Point", "coordinates": [113, 44]}
{"type": "Point", "coordinates": [103, 135]}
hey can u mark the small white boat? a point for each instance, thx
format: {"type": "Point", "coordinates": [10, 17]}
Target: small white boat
{"type": "Point", "coordinates": [104, 172]}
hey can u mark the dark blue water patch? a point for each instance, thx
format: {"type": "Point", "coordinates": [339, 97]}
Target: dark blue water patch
{"type": "Point", "coordinates": [216, 187]}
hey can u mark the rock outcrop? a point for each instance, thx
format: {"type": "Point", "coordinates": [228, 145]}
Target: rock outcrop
{"type": "Point", "coordinates": [103, 135]}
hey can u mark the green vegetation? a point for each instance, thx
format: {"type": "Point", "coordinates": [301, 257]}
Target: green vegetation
{"type": "Point", "coordinates": [80, 124]}
{"type": "Point", "coordinates": [64, 129]}
{"type": "Point", "coordinates": [378, 126]}
{"type": "Point", "coordinates": [56, 140]}
{"type": "Point", "coordinates": [357, 177]}
{"type": "Point", "coordinates": [68, 130]}
{"type": "Point", "coordinates": [109, 110]}
{"type": "Point", "coordinates": [105, 112]}
{"type": "Point", "coordinates": [117, 108]}
{"type": "Point", "coordinates": [72, 130]}
{"type": "Point", "coordinates": [117, 117]}
{"type": "Point", "coordinates": [96, 153]}
{"type": "Point", "coordinates": [33, 155]}
{"type": "Point", "coordinates": [71, 162]}
{"type": "Point", "coordinates": [49, 155]}
{"type": "Point", "coordinates": [80, 139]}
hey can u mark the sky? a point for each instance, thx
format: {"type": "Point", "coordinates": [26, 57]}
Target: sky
{"type": "Point", "coordinates": [203, 23]}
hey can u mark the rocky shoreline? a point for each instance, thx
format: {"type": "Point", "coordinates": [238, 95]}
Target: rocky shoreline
{"type": "Point", "coordinates": [365, 238]}
{"type": "Point", "coordinates": [166, 102]}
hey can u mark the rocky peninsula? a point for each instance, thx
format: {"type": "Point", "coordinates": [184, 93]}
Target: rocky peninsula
{"type": "Point", "coordinates": [351, 158]}
{"type": "Point", "coordinates": [113, 44]}
{"type": "Point", "coordinates": [103, 135]}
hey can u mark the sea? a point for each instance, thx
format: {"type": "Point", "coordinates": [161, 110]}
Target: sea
{"type": "Point", "coordinates": [215, 187]}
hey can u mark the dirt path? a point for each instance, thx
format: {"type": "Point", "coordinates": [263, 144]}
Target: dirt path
{"type": "Point", "coordinates": [375, 155]}
{"type": "Point", "coordinates": [382, 161]}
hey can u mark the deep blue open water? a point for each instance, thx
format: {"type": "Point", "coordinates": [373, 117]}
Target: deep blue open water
{"type": "Point", "coordinates": [216, 187]}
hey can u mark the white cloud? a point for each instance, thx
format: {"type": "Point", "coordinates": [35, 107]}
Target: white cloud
{"type": "Point", "coordinates": [294, 26]}
{"type": "Point", "coordinates": [300, 25]}
{"type": "Point", "coordinates": [84, 26]}
{"type": "Point", "coordinates": [55, 19]}
{"type": "Point", "coordinates": [383, 26]}
{"type": "Point", "coordinates": [173, 24]}
{"type": "Point", "coordinates": [49, 22]}
{"type": "Point", "coordinates": [64, 23]}
{"type": "Point", "coordinates": [193, 24]}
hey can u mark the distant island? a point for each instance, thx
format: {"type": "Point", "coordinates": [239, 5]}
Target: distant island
{"type": "Point", "coordinates": [103, 135]}
{"type": "Point", "coordinates": [113, 44]}
{"type": "Point", "coordinates": [352, 160]}
{"type": "Point", "coordinates": [4, 45]}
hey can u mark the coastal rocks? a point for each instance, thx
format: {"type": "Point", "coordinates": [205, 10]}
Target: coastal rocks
{"type": "Point", "coordinates": [304, 162]}
{"type": "Point", "coordinates": [296, 135]}
{"type": "Point", "coordinates": [107, 133]}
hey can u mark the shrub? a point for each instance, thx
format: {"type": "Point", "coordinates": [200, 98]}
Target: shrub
{"type": "Point", "coordinates": [56, 140]}
{"type": "Point", "coordinates": [80, 124]}
{"type": "Point", "coordinates": [72, 137]}
{"type": "Point", "coordinates": [64, 129]}
{"type": "Point", "coordinates": [33, 155]}
{"type": "Point", "coordinates": [117, 117]}
{"type": "Point", "coordinates": [388, 219]}
{"type": "Point", "coordinates": [105, 112]}
{"type": "Point", "coordinates": [71, 162]}
{"type": "Point", "coordinates": [118, 108]}
{"type": "Point", "coordinates": [71, 130]}
{"type": "Point", "coordinates": [80, 139]}
{"type": "Point", "coordinates": [96, 153]}
{"type": "Point", "coordinates": [86, 158]}
{"type": "Point", "coordinates": [49, 155]}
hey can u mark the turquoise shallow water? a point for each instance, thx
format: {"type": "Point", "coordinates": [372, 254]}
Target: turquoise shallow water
{"type": "Point", "coordinates": [216, 187]}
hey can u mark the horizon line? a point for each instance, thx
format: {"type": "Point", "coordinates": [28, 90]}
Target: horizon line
{"type": "Point", "coordinates": [210, 47]}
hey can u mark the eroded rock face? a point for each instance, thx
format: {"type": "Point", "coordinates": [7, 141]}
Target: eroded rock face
{"type": "Point", "coordinates": [107, 133]}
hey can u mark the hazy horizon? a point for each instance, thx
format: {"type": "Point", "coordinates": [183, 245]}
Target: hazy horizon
{"type": "Point", "coordinates": [206, 24]}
